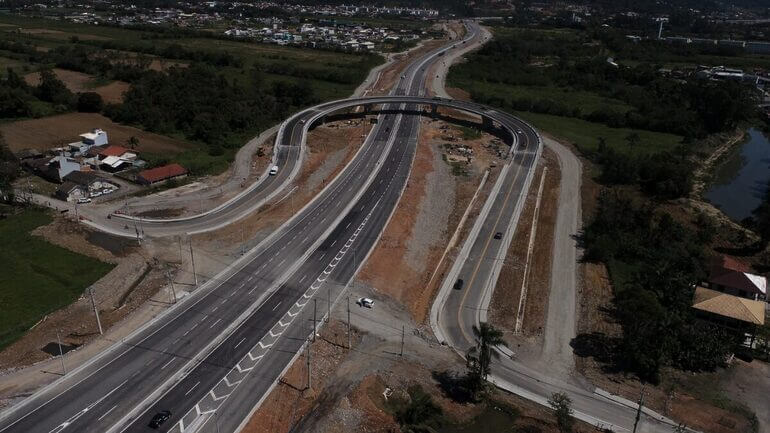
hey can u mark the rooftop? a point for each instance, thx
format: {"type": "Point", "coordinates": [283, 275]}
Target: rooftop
{"type": "Point", "coordinates": [722, 304]}
{"type": "Point", "coordinates": [113, 150]}
{"type": "Point", "coordinates": [164, 172]}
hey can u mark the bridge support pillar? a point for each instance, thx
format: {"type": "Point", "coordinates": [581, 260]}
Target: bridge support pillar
{"type": "Point", "coordinates": [487, 124]}
{"type": "Point", "coordinates": [367, 108]}
{"type": "Point", "coordinates": [434, 111]}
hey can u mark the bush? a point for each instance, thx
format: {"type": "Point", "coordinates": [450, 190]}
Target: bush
{"type": "Point", "coordinates": [90, 102]}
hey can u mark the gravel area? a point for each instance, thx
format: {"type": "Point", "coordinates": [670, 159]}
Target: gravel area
{"type": "Point", "coordinates": [433, 214]}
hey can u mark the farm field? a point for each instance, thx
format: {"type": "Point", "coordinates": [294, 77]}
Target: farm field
{"type": "Point", "coordinates": [585, 134]}
{"type": "Point", "coordinates": [38, 277]}
{"type": "Point", "coordinates": [54, 131]}
{"type": "Point", "coordinates": [79, 82]}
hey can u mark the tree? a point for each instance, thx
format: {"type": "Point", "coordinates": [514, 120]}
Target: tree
{"type": "Point", "coordinates": [90, 102]}
{"type": "Point", "coordinates": [132, 142]}
{"type": "Point", "coordinates": [561, 404]}
{"type": "Point", "coordinates": [479, 357]}
{"type": "Point", "coordinates": [51, 89]}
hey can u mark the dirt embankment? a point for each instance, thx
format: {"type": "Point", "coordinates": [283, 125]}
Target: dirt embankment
{"type": "Point", "coordinates": [430, 208]}
{"type": "Point", "coordinates": [329, 149]}
{"type": "Point", "coordinates": [504, 310]}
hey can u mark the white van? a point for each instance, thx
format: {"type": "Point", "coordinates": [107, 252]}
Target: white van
{"type": "Point", "coordinates": [273, 170]}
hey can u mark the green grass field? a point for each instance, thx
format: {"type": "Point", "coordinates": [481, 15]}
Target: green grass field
{"type": "Point", "coordinates": [37, 277]}
{"type": "Point", "coordinates": [586, 102]}
{"type": "Point", "coordinates": [585, 135]}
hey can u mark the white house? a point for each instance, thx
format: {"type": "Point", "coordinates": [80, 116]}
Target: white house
{"type": "Point", "coordinates": [96, 137]}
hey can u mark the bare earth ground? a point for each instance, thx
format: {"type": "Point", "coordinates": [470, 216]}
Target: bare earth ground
{"type": "Point", "coordinates": [55, 131]}
{"type": "Point", "coordinates": [330, 147]}
{"type": "Point", "coordinates": [78, 82]}
{"type": "Point", "coordinates": [429, 210]}
{"type": "Point", "coordinates": [505, 299]}
{"type": "Point", "coordinates": [348, 385]}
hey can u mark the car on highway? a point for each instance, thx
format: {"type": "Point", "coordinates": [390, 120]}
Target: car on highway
{"type": "Point", "coordinates": [458, 284]}
{"type": "Point", "coordinates": [498, 235]}
{"type": "Point", "coordinates": [365, 302]}
{"type": "Point", "coordinates": [273, 170]}
{"type": "Point", "coordinates": [159, 419]}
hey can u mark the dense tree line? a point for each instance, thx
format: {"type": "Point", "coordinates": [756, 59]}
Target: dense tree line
{"type": "Point", "coordinates": [692, 108]}
{"type": "Point", "coordinates": [203, 105]}
{"type": "Point", "coordinates": [18, 99]}
{"type": "Point", "coordinates": [9, 170]}
{"type": "Point", "coordinates": [654, 262]}
{"type": "Point", "coordinates": [665, 175]}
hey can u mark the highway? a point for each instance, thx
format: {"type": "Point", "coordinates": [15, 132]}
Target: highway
{"type": "Point", "coordinates": [212, 357]}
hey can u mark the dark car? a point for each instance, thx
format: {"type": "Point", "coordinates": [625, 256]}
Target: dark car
{"type": "Point", "coordinates": [458, 284]}
{"type": "Point", "coordinates": [498, 235]}
{"type": "Point", "coordinates": [160, 418]}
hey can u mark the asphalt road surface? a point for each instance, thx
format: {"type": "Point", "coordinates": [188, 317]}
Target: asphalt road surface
{"type": "Point", "coordinates": [249, 321]}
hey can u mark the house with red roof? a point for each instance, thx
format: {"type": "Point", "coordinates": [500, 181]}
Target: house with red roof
{"type": "Point", "coordinates": [161, 174]}
{"type": "Point", "coordinates": [731, 276]}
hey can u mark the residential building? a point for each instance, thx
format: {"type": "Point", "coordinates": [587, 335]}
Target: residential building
{"type": "Point", "coordinates": [91, 182]}
{"type": "Point", "coordinates": [96, 137]}
{"type": "Point", "coordinates": [733, 313]}
{"type": "Point", "coordinates": [161, 174]}
{"type": "Point", "coordinates": [115, 158]}
{"type": "Point", "coordinates": [71, 192]}
{"type": "Point", "coordinates": [730, 276]}
{"type": "Point", "coordinates": [60, 166]}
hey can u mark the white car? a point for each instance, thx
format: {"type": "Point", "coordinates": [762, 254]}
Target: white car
{"type": "Point", "coordinates": [84, 200]}
{"type": "Point", "coordinates": [366, 302]}
{"type": "Point", "coordinates": [273, 170]}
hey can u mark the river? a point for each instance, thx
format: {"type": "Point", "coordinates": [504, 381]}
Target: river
{"type": "Point", "coordinates": [740, 182]}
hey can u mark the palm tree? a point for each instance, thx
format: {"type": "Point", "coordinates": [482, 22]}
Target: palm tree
{"type": "Point", "coordinates": [480, 356]}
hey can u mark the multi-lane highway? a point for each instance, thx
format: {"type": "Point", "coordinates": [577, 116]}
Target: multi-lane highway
{"type": "Point", "coordinates": [210, 359]}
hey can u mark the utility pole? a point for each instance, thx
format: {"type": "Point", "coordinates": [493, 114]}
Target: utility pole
{"type": "Point", "coordinates": [243, 238]}
{"type": "Point", "coordinates": [96, 310]}
{"type": "Point", "coordinates": [639, 409]}
{"type": "Point", "coordinates": [309, 365]}
{"type": "Point", "coordinates": [171, 281]}
{"type": "Point", "coordinates": [315, 322]}
{"type": "Point", "coordinates": [181, 259]}
{"type": "Point", "coordinates": [192, 260]}
{"type": "Point", "coordinates": [403, 331]}
{"type": "Point", "coordinates": [61, 354]}
{"type": "Point", "coordinates": [329, 304]}
{"type": "Point", "coordinates": [349, 345]}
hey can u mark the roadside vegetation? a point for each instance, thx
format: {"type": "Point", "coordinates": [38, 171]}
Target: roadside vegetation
{"type": "Point", "coordinates": [213, 92]}
{"type": "Point", "coordinates": [38, 277]}
{"type": "Point", "coordinates": [642, 131]}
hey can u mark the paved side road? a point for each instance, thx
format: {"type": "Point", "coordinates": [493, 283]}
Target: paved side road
{"type": "Point", "coordinates": [561, 320]}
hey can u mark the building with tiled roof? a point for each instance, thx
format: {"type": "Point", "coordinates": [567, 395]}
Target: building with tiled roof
{"type": "Point", "coordinates": [161, 174]}
{"type": "Point", "coordinates": [731, 276]}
